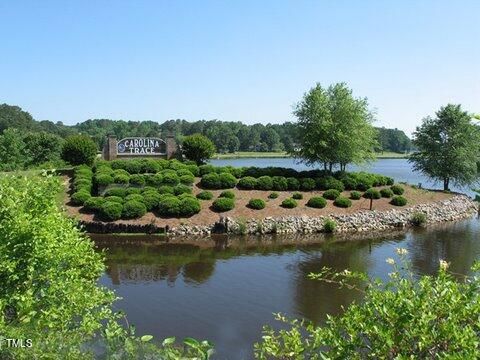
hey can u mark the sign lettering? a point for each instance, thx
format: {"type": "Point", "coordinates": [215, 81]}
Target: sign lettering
{"type": "Point", "coordinates": [141, 146]}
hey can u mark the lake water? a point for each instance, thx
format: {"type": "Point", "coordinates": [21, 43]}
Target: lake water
{"type": "Point", "coordinates": [226, 290]}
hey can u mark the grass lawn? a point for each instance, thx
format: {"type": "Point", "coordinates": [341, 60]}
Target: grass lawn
{"type": "Point", "coordinates": [283, 154]}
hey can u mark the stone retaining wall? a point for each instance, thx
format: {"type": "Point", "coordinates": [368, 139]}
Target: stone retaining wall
{"type": "Point", "coordinates": [456, 208]}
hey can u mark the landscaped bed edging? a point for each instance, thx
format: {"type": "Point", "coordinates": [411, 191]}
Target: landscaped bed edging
{"type": "Point", "coordinates": [456, 208]}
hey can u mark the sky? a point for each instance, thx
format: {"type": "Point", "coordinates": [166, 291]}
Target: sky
{"type": "Point", "coordinates": [248, 61]}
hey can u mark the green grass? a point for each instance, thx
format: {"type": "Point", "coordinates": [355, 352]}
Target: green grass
{"type": "Point", "coordinates": [283, 154]}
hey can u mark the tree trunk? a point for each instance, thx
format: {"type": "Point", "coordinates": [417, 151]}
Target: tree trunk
{"type": "Point", "coordinates": [446, 182]}
{"type": "Point", "coordinates": [325, 166]}
{"type": "Point", "coordinates": [330, 166]}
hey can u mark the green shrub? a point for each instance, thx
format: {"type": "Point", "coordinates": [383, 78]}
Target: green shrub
{"type": "Point", "coordinates": [397, 189]}
{"type": "Point", "coordinates": [418, 218]}
{"type": "Point", "coordinates": [279, 183]}
{"type": "Point", "coordinates": [169, 177]}
{"type": "Point", "coordinates": [297, 196]}
{"type": "Point", "coordinates": [121, 179]}
{"type": "Point", "coordinates": [206, 169]}
{"type": "Point", "coordinates": [150, 166]}
{"type": "Point", "coordinates": [398, 200]}
{"type": "Point", "coordinates": [273, 195]}
{"type": "Point", "coordinates": [289, 203]}
{"type": "Point", "coordinates": [120, 172]}
{"type": "Point", "coordinates": [329, 226]}
{"type": "Point", "coordinates": [79, 149]}
{"type": "Point", "coordinates": [116, 199]}
{"type": "Point", "coordinates": [218, 181]}
{"type": "Point", "coordinates": [355, 195]}
{"type": "Point", "coordinates": [189, 206]}
{"type": "Point", "coordinates": [103, 179]}
{"type": "Point", "coordinates": [293, 184]}
{"type": "Point", "coordinates": [247, 183]}
{"type": "Point", "coordinates": [386, 193]}
{"type": "Point", "coordinates": [372, 194]}
{"type": "Point", "coordinates": [227, 194]}
{"type": "Point", "coordinates": [82, 184]}
{"type": "Point", "coordinates": [264, 183]}
{"type": "Point", "coordinates": [137, 179]}
{"type": "Point", "coordinates": [342, 202]}
{"type": "Point", "coordinates": [154, 180]}
{"type": "Point", "coordinates": [329, 182]}
{"type": "Point", "coordinates": [389, 181]}
{"type": "Point", "coordinates": [133, 190]}
{"type": "Point", "coordinates": [349, 183]}
{"type": "Point", "coordinates": [117, 164]}
{"type": "Point", "coordinates": [133, 166]}
{"type": "Point", "coordinates": [169, 205]}
{"type": "Point", "coordinates": [151, 199]}
{"type": "Point", "coordinates": [116, 191]}
{"type": "Point", "coordinates": [184, 171]}
{"type": "Point", "coordinates": [187, 179]}
{"type": "Point", "coordinates": [111, 211]}
{"type": "Point", "coordinates": [80, 197]}
{"type": "Point", "coordinates": [205, 195]}
{"type": "Point", "coordinates": [223, 204]}
{"type": "Point", "coordinates": [194, 169]}
{"type": "Point", "coordinates": [133, 209]}
{"type": "Point", "coordinates": [136, 197]}
{"type": "Point", "coordinates": [331, 194]}
{"type": "Point", "coordinates": [307, 184]}
{"type": "Point", "coordinates": [165, 189]}
{"type": "Point", "coordinates": [93, 204]}
{"type": "Point", "coordinates": [317, 202]}
{"type": "Point", "coordinates": [256, 204]}
{"type": "Point", "coordinates": [198, 148]}
{"type": "Point", "coordinates": [182, 189]}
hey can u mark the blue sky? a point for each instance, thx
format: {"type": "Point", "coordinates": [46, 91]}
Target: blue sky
{"type": "Point", "coordinates": [244, 61]}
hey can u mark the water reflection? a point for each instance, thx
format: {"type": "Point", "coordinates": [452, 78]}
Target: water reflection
{"type": "Point", "coordinates": [226, 289]}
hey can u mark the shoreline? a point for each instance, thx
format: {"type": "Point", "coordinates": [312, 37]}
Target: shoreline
{"type": "Point", "coordinates": [283, 155]}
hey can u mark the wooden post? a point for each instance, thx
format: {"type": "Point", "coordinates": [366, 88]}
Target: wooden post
{"type": "Point", "coordinates": [371, 203]}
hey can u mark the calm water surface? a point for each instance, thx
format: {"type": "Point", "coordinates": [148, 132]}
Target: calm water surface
{"type": "Point", "coordinates": [225, 291]}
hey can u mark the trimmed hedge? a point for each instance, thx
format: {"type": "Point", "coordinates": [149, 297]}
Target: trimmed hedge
{"type": "Point", "coordinates": [133, 209]}
{"type": "Point", "coordinates": [297, 196]}
{"type": "Point", "coordinates": [279, 183]}
{"type": "Point", "coordinates": [111, 211]}
{"type": "Point", "coordinates": [293, 184]}
{"type": "Point", "coordinates": [218, 181]}
{"type": "Point", "coordinates": [372, 194]}
{"type": "Point", "coordinates": [187, 179]}
{"type": "Point", "coordinates": [398, 200]}
{"type": "Point", "coordinates": [136, 197]}
{"type": "Point", "coordinates": [264, 183]}
{"type": "Point", "coordinates": [121, 179]}
{"type": "Point", "coordinates": [397, 189]}
{"type": "Point", "coordinates": [205, 195]}
{"type": "Point", "coordinates": [137, 179]}
{"type": "Point", "coordinates": [227, 194]}
{"type": "Point", "coordinates": [256, 204]}
{"type": "Point", "coordinates": [93, 203]}
{"type": "Point", "coordinates": [223, 204]}
{"type": "Point", "coordinates": [307, 184]}
{"type": "Point", "coordinates": [247, 183]}
{"type": "Point", "coordinates": [317, 202]}
{"type": "Point", "coordinates": [80, 197]}
{"type": "Point", "coordinates": [342, 202]}
{"type": "Point", "coordinates": [182, 189]}
{"type": "Point", "coordinates": [355, 195]}
{"type": "Point", "coordinates": [116, 199]}
{"type": "Point", "coordinates": [166, 189]}
{"type": "Point", "coordinates": [103, 179]}
{"type": "Point", "coordinates": [116, 191]}
{"type": "Point", "coordinates": [169, 205]}
{"type": "Point", "coordinates": [289, 203]}
{"type": "Point", "coordinates": [386, 193]}
{"type": "Point", "coordinates": [189, 205]}
{"type": "Point", "coordinates": [151, 199]}
{"type": "Point", "coordinates": [331, 194]}
{"type": "Point", "coordinates": [133, 190]}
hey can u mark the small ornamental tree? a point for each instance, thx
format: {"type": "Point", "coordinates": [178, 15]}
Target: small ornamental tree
{"type": "Point", "coordinates": [198, 148]}
{"type": "Point", "coordinates": [79, 149]}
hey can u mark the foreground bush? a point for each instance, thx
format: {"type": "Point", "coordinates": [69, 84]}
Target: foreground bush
{"type": "Point", "coordinates": [273, 195]}
{"type": "Point", "coordinates": [398, 200]}
{"type": "Point", "coordinates": [223, 204]}
{"type": "Point", "coordinates": [247, 183]}
{"type": "Point", "coordinates": [289, 203]}
{"type": "Point", "coordinates": [256, 204]}
{"type": "Point", "coordinates": [317, 202]}
{"type": "Point", "coordinates": [402, 318]}
{"type": "Point", "coordinates": [80, 197]}
{"type": "Point", "coordinates": [297, 196]}
{"type": "Point", "coordinates": [342, 202]}
{"type": "Point", "coordinates": [386, 193]}
{"type": "Point", "coordinates": [133, 209]}
{"type": "Point", "coordinates": [198, 148]}
{"type": "Point", "coordinates": [79, 149]}
{"type": "Point", "coordinates": [111, 210]}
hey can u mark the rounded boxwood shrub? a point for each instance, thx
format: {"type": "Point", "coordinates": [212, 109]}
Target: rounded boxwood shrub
{"type": "Point", "coordinates": [150, 166]}
{"type": "Point", "coordinates": [247, 183]}
{"type": "Point", "coordinates": [223, 204]}
{"type": "Point", "coordinates": [182, 189]}
{"type": "Point", "coordinates": [136, 197]}
{"type": "Point", "coordinates": [187, 179]}
{"type": "Point", "coordinates": [329, 226]}
{"type": "Point", "coordinates": [120, 172]}
{"type": "Point", "coordinates": [386, 193]}
{"type": "Point", "coordinates": [151, 199]}
{"type": "Point", "coordinates": [206, 169]}
{"type": "Point", "coordinates": [116, 199]}
{"type": "Point", "coordinates": [104, 179]}
{"type": "Point", "coordinates": [133, 190]}
{"type": "Point", "coordinates": [256, 204]}
{"type": "Point", "coordinates": [80, 197]}
{"type": "Point", "coordinates": [165, 189]}
{"type": "Point", "coordinates": [355, 195]}
{"type": "Point", "coordinates": [111, 211]}
{"type": "Point", "coordinates": [317, 202]}
{"type": "Point", "coordinates": [398, 200]}
{"type": "Point", "coordinates": [79, 149]}
{"type": "Point", "coordinates": [189, 206]}
{"type": "Point", "coordinates": [293, 184]}
{"type": "Point", "coordinates": [264, 183]}
{"type": "Point", "coordinates": [184, 171]}
{"type": "Point", "coordinates": [154, 180]}
{"type": "Point", "coordinates": [397, 189]}
{"type": "Point", "coordinates": [133, 209]}
{"type": "Point", "coordinates": [169, 177]}
{"type": "Point", "coordinates": [349, 183]}
{"type": "Point", "coordinates": [93, 204]}
{"type": "Point", "coordinates": [137, 179]}
{"type": "Point", "coordinates": [227, 194]}
{"type": "Point", "coordinates": [297, 196]}
{"type": "Point", "coordinates": [331, 194]}
{"type": "Point", "coordinates": [279, 183]}
{"type": "Point", "coordinates": [289, 203]}
{"type": "Point", "coordinates": [307, 184]}
{"type": "Point", "coordinates": [121, 179]}
{"type": "Point", "coordinates": [329, 182]}
{"type": "Point", "coordinates": [218, 181]}
{"type": "Point", "coordinates": [169, 205]}
{"type": "Point", "coordinates": [390, 181]}
{"type": "Point", "coordinates": [342, 202]}
{"type": "Point", "coordinates": [418, 218]}
{"type": "Point", "coordinates": [372, 194]}
{"type": "Point", "coordinates": [116, 191]}
{"type": "Point", "coordinates": [133, 166]}
{"type": "Point", "coordinates": [273, 195]}
{"type": "Point", "coordinates": [194, 169]}
{"type": "Point", "coordinates": [205, 195]}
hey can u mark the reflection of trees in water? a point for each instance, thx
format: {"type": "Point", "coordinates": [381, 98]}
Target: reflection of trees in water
{"type": "Point", "coordinates": [136, 273]}
{"type": "Point", "coordinates": [198, 272]}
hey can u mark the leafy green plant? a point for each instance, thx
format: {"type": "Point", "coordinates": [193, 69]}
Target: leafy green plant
{"type": "Point", "coordinates": [256, 204]}
{"type": "Point", "coordinates": [137, 179]}
{"type": "Point", "coordinates": [198, 148]}
{"type": "Point", "coordinates": [189, 205]}
{"type": "Point", "coordinates": [121, 179]}
{"type": "Point", "coordinates": [418, 218]}
{"type": "Point", "coordinates": [223, 204]}
{"type": "Point", "coordinates": [297, 196]}
{"type": "Point", "coordinates": [289, 203]}
{"type": "Point", "coordinates": [398, 200]}
{"type": "Point", "coordinates": [273, 195]}
{"type": "Point", "coordinates": [331, 194]}
{"type": "Point", "coordinates": [307, 184]}
{"type": "Point", "coordinates": [116, 191]}
{"type": "Point", "coordinates": [151, 199]}
{"type": "Point", "coordinates": [93, 204]}
{"type": "Point", "coordinates": [404, 317]}
{"type": "Point", "coordinates": [136, 197]}
{"type": "Point", "coordinates": [111, 210]}
{"type": "Point", "coordinates": [80, 197]}
{"type": "Point", "coordinates": [227, 194]}
{"type": "Point", "coordinates": [247, 183]}
{"type": "Point", "coordinates": [372, 194]}
{"type": "Point", "coordinates": [264, 183]}
{"type": "Point", "coordinates": [342, 202]}
{"type": "Point", "coordinates": [397, 189]}
{"type": "Point", "coordinates": [182, 189]}
{"type": "Point", "coordinates": [205, 195]}
{"type": "Point", "coordinates": [279, 183]}
{"type": "Point", "coordinates": [329, 226]}
{"type": "Point", "coordinates": [386, 193]}
{"type": "Point", "coordinates": [317, 202]}
{"type": "Point", "coordinates": [79, 149]}
{"type": "Point", "coordinates": [355, 195]}
{"type": "Point", "coordinates": [293, 183]}
{"type": "Point", "coordinates": [133, 209]}
{"type": "Point", "coordinates": [218, 181]}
